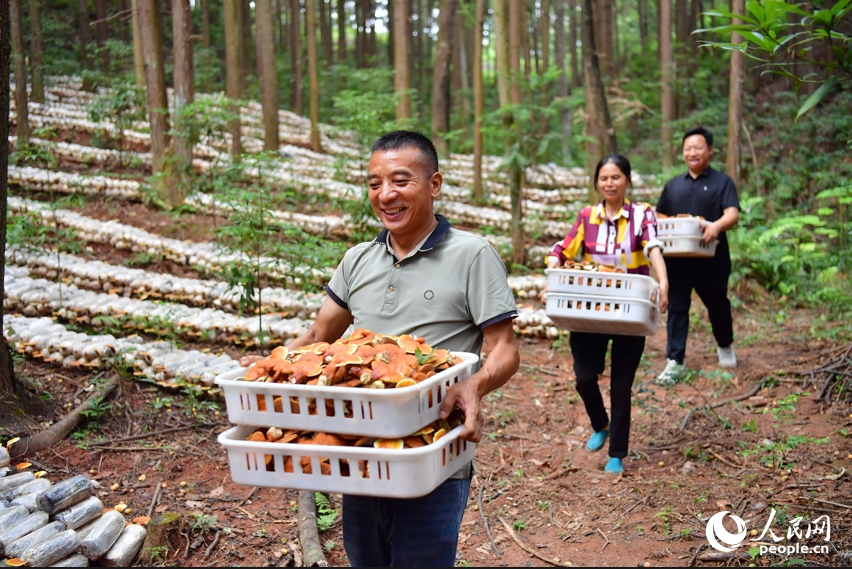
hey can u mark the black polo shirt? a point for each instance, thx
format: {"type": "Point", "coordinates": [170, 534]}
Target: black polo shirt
{"type": "Point", "coordinates": [708, 195]}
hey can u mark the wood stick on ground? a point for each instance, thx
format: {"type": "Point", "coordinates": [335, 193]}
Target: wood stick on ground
{"type": "Point", "coordinates": [312, 554]}
{"type": "Point", "coordinates": [720, 458]}
{"type": "Point", "coordinates": [210, 547]}
{"type": "Point", "coordinates": [605, 538]}
{"type": "Point", "coordinates": [485, 520]}
{"type": "Point", "coordinates": [527, 548]}
{"type": "Point", "coordinates": [560, 473]}
{"type": "Point", "coordinates": [695, 555]}
{"type": "Point", "coordinates": [717, 404]}
{"type": "Point", "coordinates": [250, 494]}
{"type": "Point", "coordinates": [838, 504]}
{"type": "Point", "coordinates": [154, 500]}
{"type": "Point", "coordinates": [59, 430]}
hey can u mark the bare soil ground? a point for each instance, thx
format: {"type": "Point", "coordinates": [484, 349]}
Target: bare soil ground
{"type": "Point", "coordinates": [533, 471]}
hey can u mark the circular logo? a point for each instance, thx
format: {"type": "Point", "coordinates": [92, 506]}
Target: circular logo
{"type": "Point", "coordinates": [716, 532]}
{"type": "Point", "coordinates": [428, 295]}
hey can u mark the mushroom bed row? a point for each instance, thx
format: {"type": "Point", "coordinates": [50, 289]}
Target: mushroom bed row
{"type": "Point", "coordinates": [158, 361]}
{"type": "Point", "coordinates": [62, 525]}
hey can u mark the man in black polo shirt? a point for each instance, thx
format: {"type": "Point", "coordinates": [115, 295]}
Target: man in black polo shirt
{"type": "Point", "coordinates": [712, 195]}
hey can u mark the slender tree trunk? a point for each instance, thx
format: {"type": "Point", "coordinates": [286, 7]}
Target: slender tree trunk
{"type": "Point", "coordinates": [36, 52]}
{"type": "Point", "coordinates": [184, 93]}
{"type": "Point", "coordinates": [138, 57]}
{"type": "Point", "coordinates": [478, 101]}
{"type": "Point", "coordinates": [456, 49]}
{"type": "Point", "coordinates": [101, 33]}
{"type": "Point", "coordinates": [642, 9]}
{"type": "Point", "coordinates": [441, 77]}
{"type": "Point", "coordinates": [402, 79]}
{"type": "Point", "coordinates": [523, 24]}
{"type": "Point", "coordinates": [232, 72]}
{"type": "Point", "coordinates": [122, 22]}
{"type": "Point", "coordinates": [249, 63]}
{"type": "Point", "coordinates": [666, 78]}
{"type": "Point", "coordinates": [9, 386]}
{"type": "Point", "coordinates": [517, 13]}
{"type": "Point", "coordinates": [313, 73]}
{"type": "Point", "coordinates": [545, 56]}
{"type": "Point", "coordinates": [735, 101]}
{"type": "Point", "coordinates": [564, 111]}
{"type": "Point", "coordinates": [535, 51]}
{"type": "Point", "coordinates": [325, 33]}
{"type": "Point", "coordinates": [371, 20]}
{"type": "Point", "coordinates": [85, 40]}
{"type": "Point", "coordinates": [158, 108]}
{"type": "Point", "coordinates": [205, 23]}
{"type": "Point", "coordinates": [341, 30]}
{"type": "Point", "coordinates": [572, 41]}
{"type": "Point", "coordinates": [23, 121]}
{"type": "Point", "coordinates": [267, 71]}
{"type": "Point", "coordinates": [296, 58]}
{"type": "Point", "coordinates": [391, 41]}
{"type": "Point", "coordinates": [501, 43]}
{"type": "Point", "coordinates": [360, 29]}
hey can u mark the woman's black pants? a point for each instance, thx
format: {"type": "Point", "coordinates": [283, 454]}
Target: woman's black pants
{"type": "Point", "coordinates": [589, 351]}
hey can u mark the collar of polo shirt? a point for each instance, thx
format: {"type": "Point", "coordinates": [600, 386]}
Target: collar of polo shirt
{"type": "Point", "coordinates": [426, 245]}
{"type": "Point", "coordinates": [623, 212]}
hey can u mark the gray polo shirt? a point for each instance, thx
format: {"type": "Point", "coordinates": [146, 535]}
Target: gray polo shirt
{"type": "Point", "coordinates": [447, 290]}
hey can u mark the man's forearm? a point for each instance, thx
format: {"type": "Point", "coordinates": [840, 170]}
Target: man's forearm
{"type": "Point", "coordinates": [729, 219]}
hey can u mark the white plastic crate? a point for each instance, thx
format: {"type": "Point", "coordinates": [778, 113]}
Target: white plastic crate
{"type": "Point", "coordinates": [676, 226]}
{"type": "Point", "coordinates": [405, 473]}
{"type": "Point", "coordinates": [603, 315]}
{"type": "Point", "coordinates": [600, 284]}
{"type": "Point", "coordinates": [392, 412]}
{"type": "Point", "coordinates": [685, 246]}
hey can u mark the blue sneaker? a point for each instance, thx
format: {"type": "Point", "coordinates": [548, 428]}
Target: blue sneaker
{"type": "Point", "coordinates": [614, 466]}
{"type": "Point", "coordinates": [596, 441]}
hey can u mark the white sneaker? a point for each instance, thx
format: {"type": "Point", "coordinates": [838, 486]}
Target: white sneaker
{"type": "Point", "coordinates": [727, 357]}
{"type": "Point", "coordinates": [671, 374]}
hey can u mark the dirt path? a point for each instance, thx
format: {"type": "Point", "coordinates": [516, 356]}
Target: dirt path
{"type": "Point", "coordinates": [533, 471]}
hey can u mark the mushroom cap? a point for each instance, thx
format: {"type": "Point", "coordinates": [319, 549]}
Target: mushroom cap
{"type": "Point", "coordinates": [407, 382]}
{"type": "Point", "coordinates": [390, 444]}
{"type": "Point", "coordinates": [279, 353]}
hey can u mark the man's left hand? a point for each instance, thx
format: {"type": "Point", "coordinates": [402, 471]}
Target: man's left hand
{"type": "Point", "coordinates": [464, 395]}
{"type": "Point", "coordinates": [711, 233]}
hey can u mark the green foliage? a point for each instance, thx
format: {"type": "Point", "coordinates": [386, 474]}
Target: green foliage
{"type": "Point", "coordinates": [326, 513]}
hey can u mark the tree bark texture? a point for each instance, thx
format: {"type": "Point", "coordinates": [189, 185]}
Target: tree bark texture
{"type": "Point", "coordinates": [232, 72]}
{"type": "Point", "coordinates": [155, 80]}
{"type": "Point", "coordinates": [267, 72]}
{"type": "Point", "coordinates": [402, 79]}
{"type": "Point", "coordinates": [138, 57]}
{"type": "Point", "coordinates": [517, 13]}
{"type": "Point", "coordinates": [101, 34]}
{"type": "Point", "coordinates": [544, 26]}
{"type": "Point", "coordinates": [391, 43]}
{"type": "Point", "coordinates": [205, 23]}
{"type": "Point", "coordinates": [23, 121]}
{"type": "Point", "coordinates": [8, 385]}
{"type": "Point", "coordinates": [562, 85]}
{"type": "Point", "coordinates": [184, 93]}
{"type": "Point", "coordinates": [666, 78]}
{"type": "Point", "coordinates": [572, 43]}
{"type": "Point", "coordinates": [360, 28]}
{"type": "Point", "coordinates": [296, 57]}
{"type": "Point", "coordinates": [735, 101]}
{"type": "Point", "coordinates": [592, 70]}
{"type": "Point", "coordinates": [341, 30]}
{"type": "Point", "coordinates": [85, 40]}
{"type": "Point", "coordinates": [523, 25]}
{"type": "Point", "coordinates": [249, 63]}
{"type": "Point", "coordinates": [313, 73]}
{"type": "Point", "coordinates": [441, 77]}
{"type": "Point", "coordinates": [605, 43]}
{"type": "Point", "coordinates": [36, 52]}
{"type": "Point", "coordinates": [325, 32]}
{"type": "Point", "coordinates": [312, 552]}
{"type": "Point", "coordinates": [478, 101]}
{"type": "Point", "coordinates": [501, 42]}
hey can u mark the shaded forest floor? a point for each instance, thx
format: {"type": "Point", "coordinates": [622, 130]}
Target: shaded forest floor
{"type": "Point", "coordinates": [533, 471]}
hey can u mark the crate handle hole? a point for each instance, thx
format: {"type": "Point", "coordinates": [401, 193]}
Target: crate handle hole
{"type": "Point", "coordinates": [347, 409]}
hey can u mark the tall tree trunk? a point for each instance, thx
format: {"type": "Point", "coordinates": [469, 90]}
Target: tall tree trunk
{"type": "Point", "coordinates": [562, 87]}
{"type": "Point", "coordinates": [313, 73]}
{"type": "Point", "coordinates": [501, 43]}
{"type": "Point", "coordinates": [605, 43]}
{"type": "Point", "coordinates": [23, 121]}
{"type": "Point", "coordinates": [327, 40]}
{"type": "Point", "coordinates": [523, 24]}
{"type": "Point", "coordinates": [101, 34]}
{"type": "Point", "coordinates": [735, 100]}
{"type": "Point", "coordinates": [249, 63]}
{"type": "Point", "coordinates": [391, 44]}
{"type": "Point", "coordinates": [184, 93]}
{"type": "Point", "coordinates": [158, 107]}
{"type": "Point", "coordinates": [545, 56]}
{"type": "Point", "coordinates": [36, 52]}
{"type": "Point", "coordinates": [642, 10]}
{"type": "Point", "coordinates": [205, 23]}
{"type": "Point", "coordinates": [360, 32]}
{"type": "Point", "coordinates": [595, 90]}
{"type": "Point", "coordinates": [85, 40]}
{"type": "Point", "coordinates": [296, 57]}
{"type": "Point", "coordinates": [441, 77]}
{"type": "Point", "coordinates": [572, 41]}
{"type": "Point", "coordinates": [478, 101]}
{"type": "Point", "coordinates": [371, 21]}
{"type": "Point", "coordinates": [9, 386]}
{"type": "Point", "coordinates": [681, 55]}
{"type": "Point", "coordinates": [456, 51]}
{"type": "Point", "coordinates": [517, 13]}
{"type": "Point", "coordinates": [232, 72]}
{"type": "Point", "coordinates": [341, 30]}
{"type": "Point", "coordinates": [122, 22]}
{"type": "Point", "coordinates": [138, 56]}
{"type": "Point", "coordinates": [267, 71]}
{"type": "Point", "coordinates": [402, 79]}
{"type": "Point", "coordinates": [666, 78]}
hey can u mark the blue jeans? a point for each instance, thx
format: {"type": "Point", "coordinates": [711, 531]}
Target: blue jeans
{"type": "Point", "coordinates": [394, 532]}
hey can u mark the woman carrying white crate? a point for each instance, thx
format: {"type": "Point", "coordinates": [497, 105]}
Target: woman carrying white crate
{"type": "Point", "coordinates": [621, 233]}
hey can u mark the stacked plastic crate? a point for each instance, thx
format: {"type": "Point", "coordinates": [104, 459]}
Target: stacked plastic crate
{"type": "Point", "coordinates": [682, 237]}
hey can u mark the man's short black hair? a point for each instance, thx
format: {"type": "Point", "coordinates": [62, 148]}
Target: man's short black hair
{"type": "Point", "coordinates": [708, 136]}
{"type": "Point", "coordinates": [409, 139]}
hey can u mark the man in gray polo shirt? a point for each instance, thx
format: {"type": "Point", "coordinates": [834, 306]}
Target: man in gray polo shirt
{"type": "Point", "coordinates": [422, 277]}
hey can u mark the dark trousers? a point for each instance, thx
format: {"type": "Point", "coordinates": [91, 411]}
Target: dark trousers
{"type": "Point", "coordinates": [589, 351]}
{"type": "Point", "coordinates": [709, 278]}
{"type": "Point", "coordinates": [394, 532]}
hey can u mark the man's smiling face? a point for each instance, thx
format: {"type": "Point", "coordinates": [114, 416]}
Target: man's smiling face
{"type": "Point", "coordinates": [696, 153]}
{"type": "Point", "coordinates": [401, 192]}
